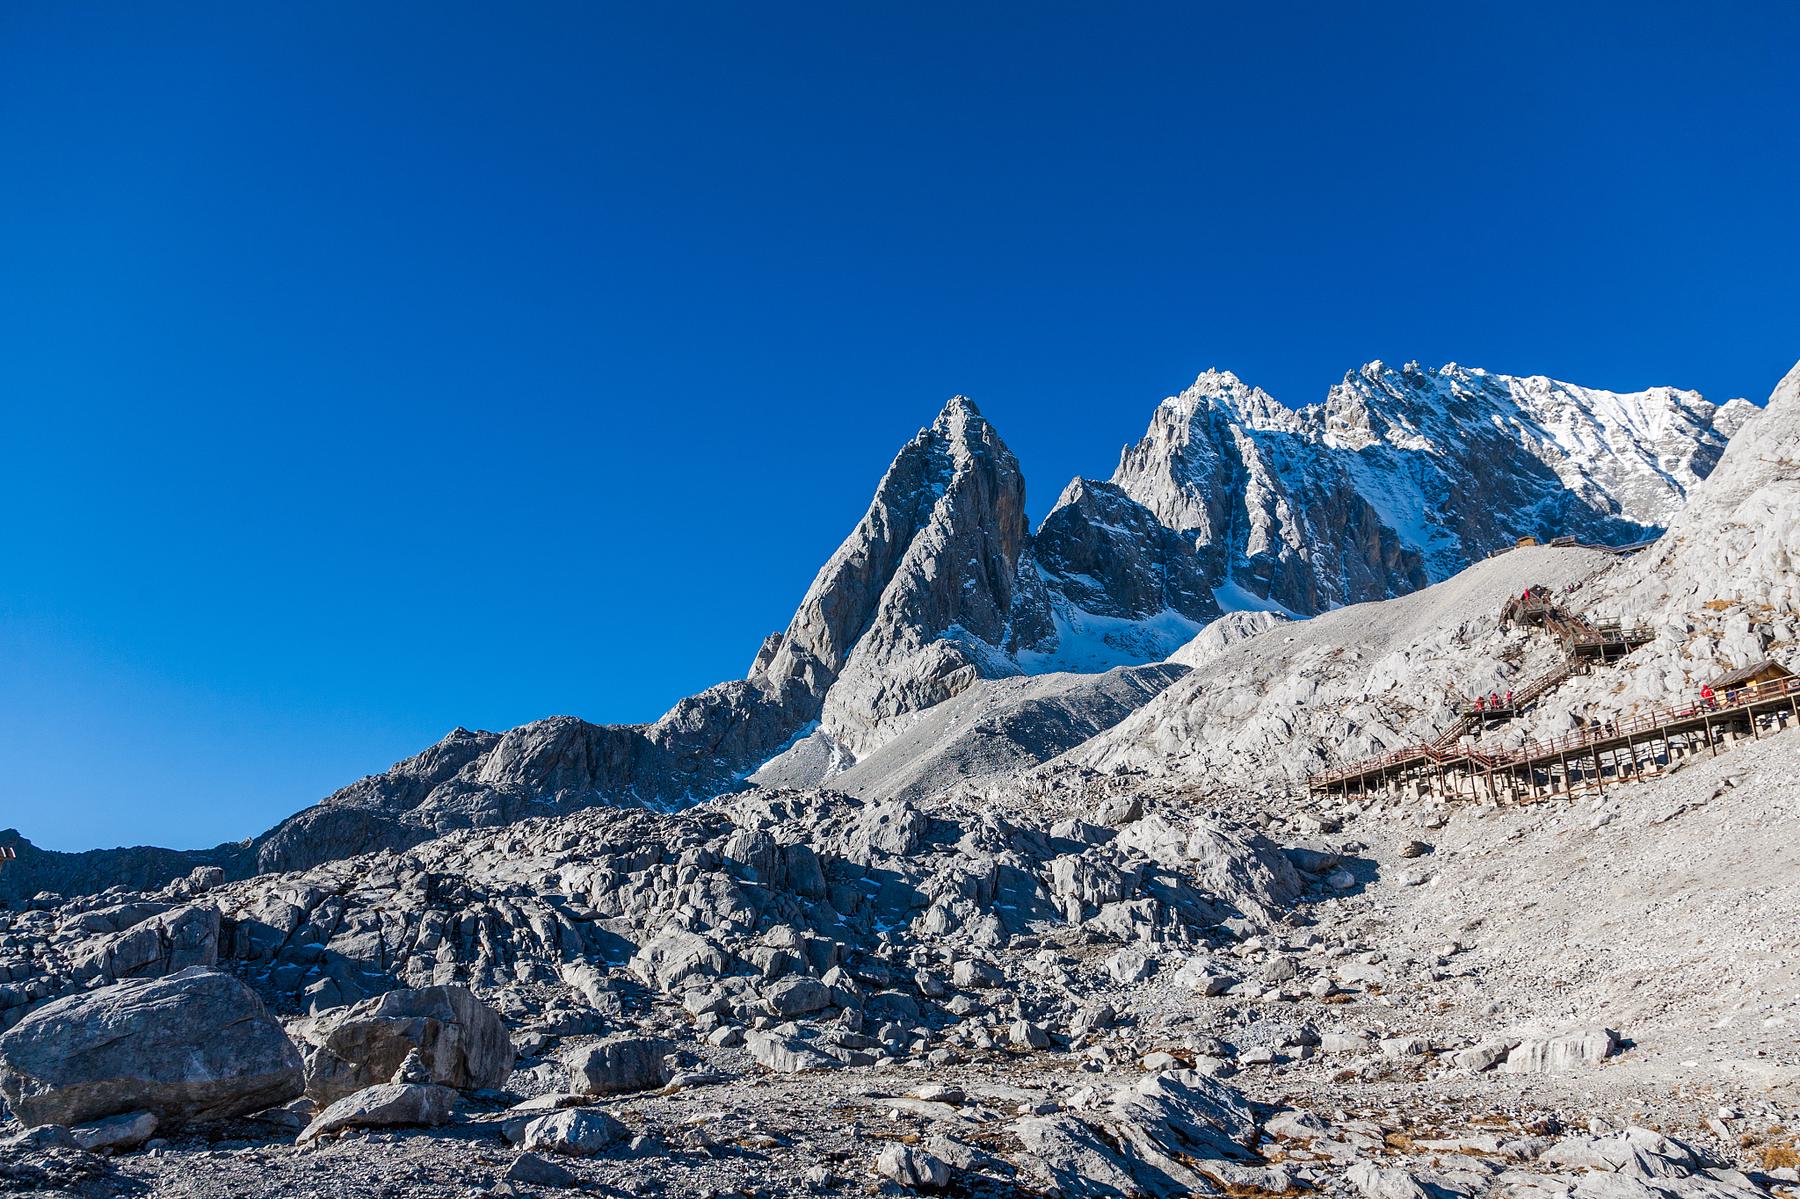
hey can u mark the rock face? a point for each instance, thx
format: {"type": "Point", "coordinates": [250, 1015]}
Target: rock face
{"type": "Point", "coordinates": [388, 1105]}
{"type": "Point", "coordinates": [1403, 477]}
{"type": "Point", "coordinates": [195, 1045]}
{"type": "Point", "coordinates": [1230, 501]}
{"type": "Point", "coordinates": [1738, 541]}
{"type": "Point", "coordinates": [1119, 588]}
{"type": "Point", "coordinates": [918, 602]}
{"type": "Point", "coordinates": [619, 1064]}
{"type": "Point", "coordinates": [460, 1040]}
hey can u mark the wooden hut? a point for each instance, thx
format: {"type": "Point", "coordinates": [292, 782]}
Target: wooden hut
{"type": "Point", "coordinates": [1766, 671]}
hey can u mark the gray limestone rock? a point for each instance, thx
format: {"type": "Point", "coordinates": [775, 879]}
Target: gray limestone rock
{"type": "Point", "coordinates": [528, 1169]}
{"type": "Point", "coordinates": [387, 1105]}
{"type": "Point", "coordinates": [1568, 1051]}
{"type": "Point", "coordinates": [623, 1063]}
{"type": "Point", "coordinates": [125, 1131]}
{"type": "Point", "coordinates": [797, 997]}
{"type": "Point", "coordinates": [786, 1054]}
{"type": "Point", "coordinates": [1073, 1158]}
{"type": "Point", "coordinates": [197, 1044]}
{"type": "Point", "coordinates": [912, 1168]}
{"type": "Point", "coordinates": [577, 1132]}
{"type": "Point", "coordinates": [461, 1041]}
{"type": "Point", "coordinates": [1377, 1182]}
{"type": "Point", "coordinates": [164, 944]}
{"type": "Point", "coordinates": [675, 956]}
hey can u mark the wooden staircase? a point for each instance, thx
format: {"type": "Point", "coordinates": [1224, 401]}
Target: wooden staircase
{"type": "Point", "coordinates": [1584, 643]}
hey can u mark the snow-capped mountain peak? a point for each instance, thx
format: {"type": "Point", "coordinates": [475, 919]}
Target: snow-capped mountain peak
{"type": "Point", "coordinates": [1405, 475]}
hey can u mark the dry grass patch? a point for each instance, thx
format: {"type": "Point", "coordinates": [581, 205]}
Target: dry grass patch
{"type": "Point", "coordinates": [1779, 1155]}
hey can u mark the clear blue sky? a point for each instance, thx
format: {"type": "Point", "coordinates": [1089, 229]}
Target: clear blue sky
{"type": "Point", "coordinates": [374, 369]}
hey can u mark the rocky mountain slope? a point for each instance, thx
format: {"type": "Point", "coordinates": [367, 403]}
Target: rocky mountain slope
{"type": "Point", "coordinates": [1069, 993]}
{"type": "Point", "coordinates": [1718, 591]}
{"type": "Point", "coordinates": [1275, 707]}
{"type": "Point", "coordinates": [990, 732]}
{"type": "Point", "coordinates": [1150, 966]}
{"type": "Point", "coordinates": [1403, 477]}
{"type": "Point", "coordinates": [1230, 501]}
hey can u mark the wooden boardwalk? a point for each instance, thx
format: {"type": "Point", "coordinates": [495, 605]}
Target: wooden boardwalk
{"type": "Point", "coordinates": [1582, 638]}
{"type": "Point", "coordinates": [1587, 759]}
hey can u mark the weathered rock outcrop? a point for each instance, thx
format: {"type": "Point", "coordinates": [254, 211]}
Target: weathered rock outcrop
{"type": "Point", "coordinates": [195, 1045]}
{"type": "Point", "coordinates": [1403, 477]}
{"type": "Point", "coordinates": [460, 1041]}
{"type": "Point", "coordinates": [1229, 501]}
{"type": "Point", "coordinates": [918, 602]}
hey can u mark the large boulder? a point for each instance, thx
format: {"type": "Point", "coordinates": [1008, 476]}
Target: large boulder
{"type": "Point", "coordinates": [578, 1132]}
{"type": "Point", "coordinates": [165, 945]}
{"type": "Point", "coordinates": [675, 956]}
{"type": "Point", "coordinates": [912, 1168]}
{"type": "Point", "coordinates": [785, 1054]}
{"type": "Point", "coordinates": [1571, 1050]}
{"type": "Point", "coordinates": [389, 1105]}
{"type": "Point", "coordinates": [619, 1064]}
{"type": "Point", "coordinates": [462, 1042]}
{"type": "Point", "coordinates": [195, 1045]}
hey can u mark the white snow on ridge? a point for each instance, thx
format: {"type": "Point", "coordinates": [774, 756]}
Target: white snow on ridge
{"type": "Point", "coordinates": [1404, 477]}
{"type": "Point", "coordinates": [1089, 643]}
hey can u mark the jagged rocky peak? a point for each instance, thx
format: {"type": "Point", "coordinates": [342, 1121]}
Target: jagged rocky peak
{"type": "Point", "coordinates": [956, 472]}
{"type": "Point", "coordinates": [897, 624]}
{"type": "Point", "coordinates": [1735, 549]}
{"type": "Point", "coordinates": [1243, 477]}
{"type": "Point", "coordinates": [1182, 468]}
{"type": "Point", "coordinates": [1405, 476]}
{"type": "Point", "coordinates": [1633, 455]}
{"type": "Point", "coordinates": [1111, 555]}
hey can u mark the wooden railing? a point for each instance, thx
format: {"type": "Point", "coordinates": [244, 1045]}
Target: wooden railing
{"type": "Point", "coordinates": [1535, 752]}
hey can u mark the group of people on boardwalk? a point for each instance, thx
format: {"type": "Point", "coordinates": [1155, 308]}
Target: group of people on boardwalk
{"type": "Point", "coordinates": [1491, 702]}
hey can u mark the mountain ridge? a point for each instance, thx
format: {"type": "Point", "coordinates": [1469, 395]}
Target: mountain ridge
{"type": "Point", "coordinates": [1231, 501]}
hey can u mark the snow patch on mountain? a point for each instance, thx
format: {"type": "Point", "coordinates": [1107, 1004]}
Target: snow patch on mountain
{"type": "Point", "coordinates": [1404, 477]}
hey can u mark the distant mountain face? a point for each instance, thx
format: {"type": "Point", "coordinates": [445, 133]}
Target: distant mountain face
{"type": "Point", "coordinates": [1230, 502]}
{"type": "Point", "coordinates": [1404, 477]}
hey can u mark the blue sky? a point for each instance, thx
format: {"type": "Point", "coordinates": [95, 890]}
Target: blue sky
{"type": "Point", "coordinates": [374, 369]}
